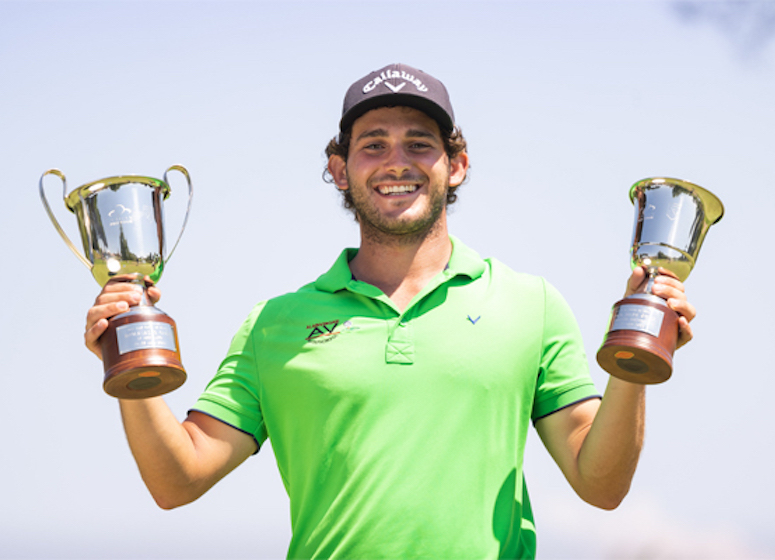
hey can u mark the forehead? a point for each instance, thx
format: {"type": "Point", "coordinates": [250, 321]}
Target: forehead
{"type": "Point", "coordinates": [395, 120]}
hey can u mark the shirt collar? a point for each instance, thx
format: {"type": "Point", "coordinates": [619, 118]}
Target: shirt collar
{"type": "Point", "coordinates": [463, 261]}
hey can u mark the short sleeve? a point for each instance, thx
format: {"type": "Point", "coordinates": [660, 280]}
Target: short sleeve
{"type": "Point", "coordinates": [232, 396]}
{"type": "Point", "coordinates": [563, 377]}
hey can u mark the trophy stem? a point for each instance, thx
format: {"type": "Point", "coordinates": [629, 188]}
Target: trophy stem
{"type": "Point", "coordinates": [652, 274]}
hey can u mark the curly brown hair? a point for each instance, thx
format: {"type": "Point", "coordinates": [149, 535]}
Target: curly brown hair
{"type": "Point", "coordinates": [454, 145]}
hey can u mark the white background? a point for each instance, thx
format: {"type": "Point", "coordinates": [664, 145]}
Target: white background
{"type": "Point", "coordinates": [564, 105]}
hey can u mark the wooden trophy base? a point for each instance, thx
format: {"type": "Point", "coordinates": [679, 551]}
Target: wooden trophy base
{"type": "Point", "coordinates": [641, 340]}
{"type": "Point", "coordinates": [140, 354]}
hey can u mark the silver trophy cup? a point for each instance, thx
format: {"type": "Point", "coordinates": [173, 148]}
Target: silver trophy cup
{"type": "Point", "coordinates": [672, 218]}
{"type": "Point", "coordinates": [121, 222]}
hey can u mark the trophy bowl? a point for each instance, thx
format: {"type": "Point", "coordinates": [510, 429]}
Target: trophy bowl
{"type": "Point", "coordinates": [121, 223]}
{"type": "Point", "coordinates": [672, 218]}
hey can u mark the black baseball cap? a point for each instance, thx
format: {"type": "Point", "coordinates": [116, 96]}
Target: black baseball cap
{"type": "Point", "coordinates": [398, 85]}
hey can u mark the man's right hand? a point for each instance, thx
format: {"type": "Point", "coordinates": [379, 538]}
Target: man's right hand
{"type": "Point", "coordinates": [116, 297]}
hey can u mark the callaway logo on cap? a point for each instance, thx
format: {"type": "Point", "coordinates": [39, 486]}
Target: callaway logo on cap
{"type": "Point", "coordinates": [398, 85]}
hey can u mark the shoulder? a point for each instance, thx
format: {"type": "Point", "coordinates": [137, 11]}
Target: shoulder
{"type": "Point", "coordinates": [525, 279]}
{"type": "Point", "coordinates": [291, 304]}
{"type": "Point", "coordinates": [504, 277]}
{"type": "Point", "coordinates": [533, 295]}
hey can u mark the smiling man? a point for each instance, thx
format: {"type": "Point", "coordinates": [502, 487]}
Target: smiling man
{"type": "Point", "coordinates": [398, 173]}
{"type": "Point", "coordinates": [399, 387]}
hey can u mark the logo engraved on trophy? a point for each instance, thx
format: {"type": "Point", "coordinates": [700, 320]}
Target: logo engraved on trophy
{"type": "Point", "coordinates": [121, 222]}
{"type": "Point", "coordinates": [121, 215]}
{"type": "Point", "coordinates": [672, 218]}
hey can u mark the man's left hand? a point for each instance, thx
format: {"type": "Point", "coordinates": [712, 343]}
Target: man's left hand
{"type": "Point", "coordinates": [668, 287]}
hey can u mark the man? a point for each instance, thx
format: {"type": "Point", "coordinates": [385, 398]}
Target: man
{"type": "Point", "coordinates": [397, 389]}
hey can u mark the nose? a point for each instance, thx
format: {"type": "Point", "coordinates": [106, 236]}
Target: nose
{"type": "Point", "coordinates": [398, 160]}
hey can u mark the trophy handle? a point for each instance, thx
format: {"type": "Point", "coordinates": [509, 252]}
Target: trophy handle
{"type": "Point", "coordinates": [54, 221]}
{"type": "Point", "coordinates": [184, 171]}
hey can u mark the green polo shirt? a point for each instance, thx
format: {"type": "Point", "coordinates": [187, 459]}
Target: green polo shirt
{"type": "Point", "coordinates": [401, 434]}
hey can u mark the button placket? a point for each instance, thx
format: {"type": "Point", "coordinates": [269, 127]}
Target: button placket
{"type": "Point", "coordinates": [400, 344]}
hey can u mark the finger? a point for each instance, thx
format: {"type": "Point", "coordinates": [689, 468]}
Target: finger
{"type": "Point", "coordinates": [104, 311]}
{"type": "Point", "coordinates": [154, 294]}
{"type": "Point", "coordinates": [97, 322]}
{"type": "Point", "coordinates": [635, 281]}
{"type": "Point", "coordinates": [130, 296]}
{"type": "Point", "coordinates": [120, 286]}
{"type": "Point", "coordinates": [92, 335]}
{"type": "Point", "coordinates": [666, 272]}
{"type": "Point", "coordinates": [684, 332]}
{"type": "Point", "coordinates": [666, 291]}
{"type": "Point", "coordinates": [683, 308]}
{"type": "Point", "coordinates": [668, 280]}
{"type": "Point", "coordinates": [672, 291]}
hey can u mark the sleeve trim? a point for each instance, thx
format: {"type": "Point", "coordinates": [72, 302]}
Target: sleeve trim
{"type": "Point", "coordinates": [258, 445]}
{"type": "Point", "coordinates": [566, 406]}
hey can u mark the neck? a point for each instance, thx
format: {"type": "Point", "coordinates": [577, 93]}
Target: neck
{"type": "Point", "coordinates": [401, 266]}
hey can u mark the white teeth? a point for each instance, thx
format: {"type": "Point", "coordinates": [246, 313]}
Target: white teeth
{"type": "Point", "coordinates": [398, 189]}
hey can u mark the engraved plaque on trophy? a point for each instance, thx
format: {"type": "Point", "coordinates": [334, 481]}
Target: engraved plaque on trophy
{"type": "Point", "coordinates": [672, 218]}
{"type": "Point", "coordinates": [121, 222]}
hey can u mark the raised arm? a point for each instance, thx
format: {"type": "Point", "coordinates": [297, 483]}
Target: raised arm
{"type": "Point", "coordinates": [178, 461]}
{"type": "Point", "coordinates": [597, 444]}
{"type": "Point", "coordinates": [181, 461]}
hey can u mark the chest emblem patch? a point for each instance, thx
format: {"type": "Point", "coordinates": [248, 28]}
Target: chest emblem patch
{"type": "Point", "coordinates": [320, 333]}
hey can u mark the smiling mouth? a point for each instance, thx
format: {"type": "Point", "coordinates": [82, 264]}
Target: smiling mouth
{"type": "Point", "coordinates": [397, 189]}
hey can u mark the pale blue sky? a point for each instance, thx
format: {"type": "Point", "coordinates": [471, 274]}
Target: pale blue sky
{"type": "Point", "coordinates": [564, 105]}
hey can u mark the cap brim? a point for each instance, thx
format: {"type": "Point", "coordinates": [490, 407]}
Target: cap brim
{"type": "Point", "coordinates": [397, 100]}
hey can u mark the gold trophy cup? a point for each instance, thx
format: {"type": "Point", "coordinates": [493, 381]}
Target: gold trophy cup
{"type": "Point", "coordinates": [121, 222]}
{"type": "Point", "coordinates": [672, 218]}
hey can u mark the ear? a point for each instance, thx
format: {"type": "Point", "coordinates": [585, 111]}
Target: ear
{"type": "Point", "coordinates": [337, 167]}
{"type": "Point", "coordinates": [458, 168]}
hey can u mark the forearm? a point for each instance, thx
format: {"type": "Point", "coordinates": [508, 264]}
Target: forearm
{"type": "Point", "coordinates": [609, 453]}
{"type": "Point", "coordinates": [164, 450]}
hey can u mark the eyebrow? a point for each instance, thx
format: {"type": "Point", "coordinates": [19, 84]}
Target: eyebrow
{"type": "Point", "coordinates": [411, 133]}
